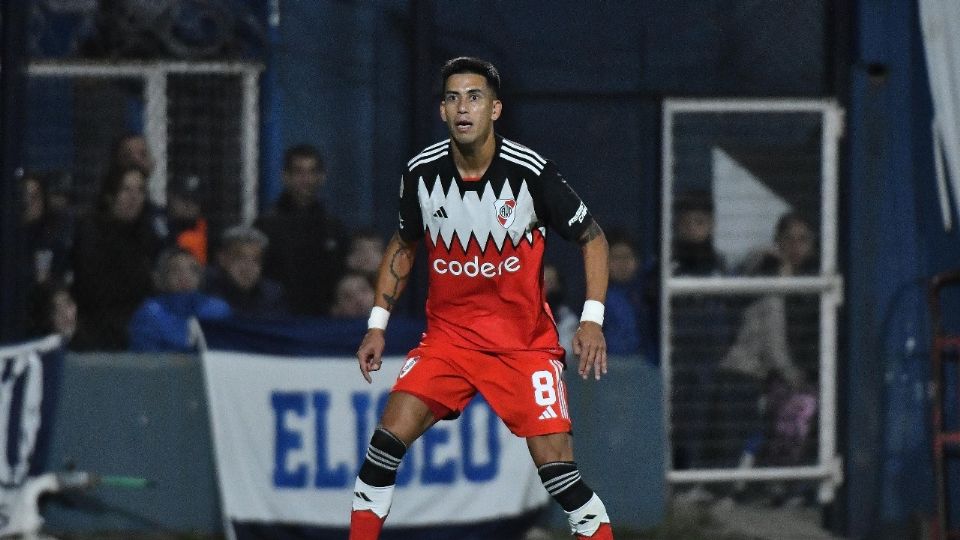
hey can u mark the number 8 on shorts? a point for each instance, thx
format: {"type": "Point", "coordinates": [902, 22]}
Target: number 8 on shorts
{"type": "Point", "coordinates": [543, 388]}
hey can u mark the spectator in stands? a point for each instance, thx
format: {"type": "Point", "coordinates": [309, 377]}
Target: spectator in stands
{"type": "Point", "coordinates": [793, 253]}
{"type": "Point", "coordinates": [364, 253]}
{"type": "Point", "coordinates": [237, 276]}
{"type": "Point", "coordinates": [306, 243]}
{"type": "Point", "coordinates": [113, 255]}
{"type": "Point", "coordinates": [354, 297]}
{"type": "Point", "coordinates": [131, 150]}
{"type": "Point", "coordinates": [777, 343]}
{"type": "Point", "coordinates": [567, 320]}
{"type": "Point", "coordinates": [186, 224]}
{"type": "Point", "coordinates": [624, 296]}
{"type": "Point", "coordinates": [693, 252]}
{"type": "Point", "coordinates": [700, 327]}
{"type": "Point", "coordinates": [53, 311]}
{"type": "Point", "coordinates": [45, 234]}
{"type": "Point", "coordinates": [167, 321]}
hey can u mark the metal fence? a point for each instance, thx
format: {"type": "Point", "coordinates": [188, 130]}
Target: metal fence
{"type": "Point", "coordinates": [750, 291]}
{"type": "Point", "coordinates": [197, 118]}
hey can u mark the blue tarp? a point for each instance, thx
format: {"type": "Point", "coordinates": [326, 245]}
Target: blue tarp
{"type": "Point", "coordinates": [307, 337]}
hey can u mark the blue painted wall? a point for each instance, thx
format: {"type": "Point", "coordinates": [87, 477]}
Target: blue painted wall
{"type": "Point", "coordinates": [583, 83]}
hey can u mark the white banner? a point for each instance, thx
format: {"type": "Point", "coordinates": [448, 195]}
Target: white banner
{"type": "Point", "coordinates": [20, 365]}
{"type": "Point", "coordinates": [291, 433]}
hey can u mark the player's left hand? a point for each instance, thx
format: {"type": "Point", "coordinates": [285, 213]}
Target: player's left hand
{"type": "Point", "coordinates": [370, 353]}
{"type": "Point", "coordinates": [591, 347]}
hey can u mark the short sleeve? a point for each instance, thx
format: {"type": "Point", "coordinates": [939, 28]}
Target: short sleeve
{"type": "Point", "coordinates": [410, 220]}
{"type": "Point", "coordinates": [563, 209]}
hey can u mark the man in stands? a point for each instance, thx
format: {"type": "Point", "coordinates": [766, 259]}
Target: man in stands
{"type": "Point", "coordinates": [306, 243]}
{"type": "Point", "coordinates": [484, 203]}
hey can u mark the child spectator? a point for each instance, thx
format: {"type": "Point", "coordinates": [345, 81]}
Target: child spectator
{"type": "Point", "coordinates": [365, 252]}
{"type": "Point", "coordinates": [354, 297]}
{"type": "Point", "coordinates": [237, 276]}
{"type": "Point", "coordinates": [187, 227]}
{"type": "Point", "coordinates": [163, 322]}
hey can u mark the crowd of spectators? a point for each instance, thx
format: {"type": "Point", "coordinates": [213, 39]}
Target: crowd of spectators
{"type": "Point", "coordinates": [131, 275]}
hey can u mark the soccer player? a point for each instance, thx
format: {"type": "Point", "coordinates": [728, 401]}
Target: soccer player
{"type": "Point", "coordinates": [484, 203]}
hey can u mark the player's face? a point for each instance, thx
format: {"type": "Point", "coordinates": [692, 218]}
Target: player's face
{"type": "Point", "coordinates": [469, 108]}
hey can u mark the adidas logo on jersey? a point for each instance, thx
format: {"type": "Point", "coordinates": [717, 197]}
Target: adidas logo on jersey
{"type": "Point", "coordinates": [441, 213]}
{"type": "Point", "coordinates": [548, 413]}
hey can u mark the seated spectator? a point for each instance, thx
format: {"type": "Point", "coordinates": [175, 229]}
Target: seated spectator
{"type": "Point", "coordinates": [306, 242]}
{"type": "Point", "coordinates": [113, 257]}
{"type": "Point", "coordinates": [186, 225]}
{"type": "Point", "coordinates": [621, 323]}
{"type": "Point", "coordinates": [53, 311]}
{"type": "Point", "coordinates": [354, 297]}
{"type": "Point", "coordinates": [567, 320]}
{"type": "Point", "coordinates": [364, 253]}
{"type": "Point", "coordinates": [237, 276]}
{"type": "Point", "coordinates": [163, 322]}
{"type": "Point", "coordinates": [777, 342]}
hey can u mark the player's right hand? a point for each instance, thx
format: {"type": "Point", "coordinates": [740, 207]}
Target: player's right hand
{"type": "Point", "coordinates": [370, 352]}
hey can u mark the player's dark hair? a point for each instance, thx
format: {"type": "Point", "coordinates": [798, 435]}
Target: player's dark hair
{"type": "Point", "coordinates": [470, 64]}
{"type": "Point", "coordinates": [303, 151]}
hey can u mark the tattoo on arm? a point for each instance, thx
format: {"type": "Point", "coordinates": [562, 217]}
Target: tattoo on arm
{"type": "Point", "coordinates": [592, 231]}
{"type": "Point", "coordinates": [399, 269]}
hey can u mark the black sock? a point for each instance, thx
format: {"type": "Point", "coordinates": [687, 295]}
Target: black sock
{"type": "Point", "coordinates": [563, 483]}
{"type": "Point", "coordinates": [384, 454]}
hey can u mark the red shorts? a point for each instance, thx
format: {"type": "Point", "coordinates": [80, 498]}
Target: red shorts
{"type": "Point", "coordinates": [524, 388]}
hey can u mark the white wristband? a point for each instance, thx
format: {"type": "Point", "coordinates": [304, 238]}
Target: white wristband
{"type": "Point", "coordinates": [592, 311]}
{"type": "Point", "coordinates": [378, 318]}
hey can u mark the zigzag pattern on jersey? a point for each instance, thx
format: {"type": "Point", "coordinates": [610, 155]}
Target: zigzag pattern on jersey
{"type": "Point", "coordinates": [472, 215]}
